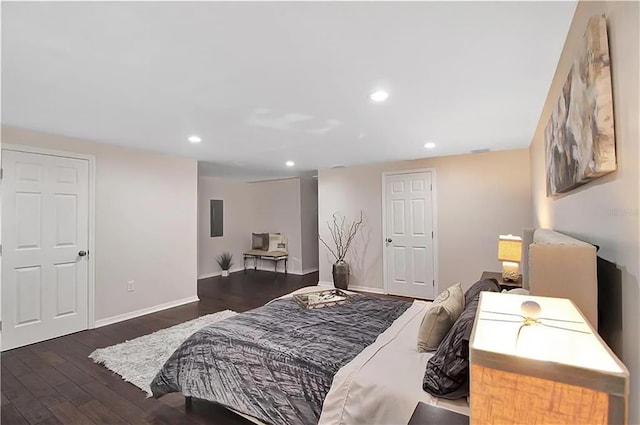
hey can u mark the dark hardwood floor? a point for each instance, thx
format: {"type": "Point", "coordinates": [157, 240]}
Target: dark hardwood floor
{"type": "Point", "coordinates": [54, 382]}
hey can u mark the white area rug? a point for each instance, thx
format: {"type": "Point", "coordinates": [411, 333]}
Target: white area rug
{"type": "Point", "coordinates": [138, 360]}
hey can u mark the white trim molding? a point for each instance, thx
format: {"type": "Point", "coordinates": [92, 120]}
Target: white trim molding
{"type": "Point", "coordinates": [434, 208]}
{"type": "Point", "coordinates": [132, 315]}
{"type": "Point", "coordinates": [261, 268]}
{"type": "Point", "coordinates": [91, 289]}
{"type": "Point", "coordinates": [356, 288]}
{"type": "Point", "coordinates": [219, 273]}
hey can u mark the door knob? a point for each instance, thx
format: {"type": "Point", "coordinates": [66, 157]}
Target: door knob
{"type": "Point", "coordinates": [82, 253]}
{"type": "Point", "coordinates": [389, 240]}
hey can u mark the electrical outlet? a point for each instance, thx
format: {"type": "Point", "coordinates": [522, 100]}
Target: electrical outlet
{"type": "Point", "coordinates": [131, 286]}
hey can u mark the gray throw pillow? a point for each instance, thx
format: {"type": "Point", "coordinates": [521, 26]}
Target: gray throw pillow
{"type": "Point", "coordinates": [265, 241]}
{"type": "Point", "coordinates": [440, 317]}
{"type": "Point", "coordinates": [447, 373]}
{"type": "Point", "coordinates": [260, 241]}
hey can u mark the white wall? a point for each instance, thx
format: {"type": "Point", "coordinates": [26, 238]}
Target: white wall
{"type": "Point", "coordinates": [276, 208]}
{"type": "Point", "coordinates": [237, 197]}
{"type": "Point", "coordinates": [309, 223]}
{"type": "Point", "coordinates": [606, 211]}
{"type": "Point", "coordinates": [283, 206]}
{"type": "Point", "coordinates": [479, 197]}
{"type": "Point", "coordinates": [146, 222]}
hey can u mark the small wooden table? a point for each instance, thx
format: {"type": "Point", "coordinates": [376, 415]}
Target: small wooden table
{"type": "Point", "coordinates": [426, 414]}
{"type": "Point", "coordinates": [504, 284]}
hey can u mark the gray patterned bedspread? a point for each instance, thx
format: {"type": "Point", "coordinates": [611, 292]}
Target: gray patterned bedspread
{"type": "Point", "coordinates": [275, 363]}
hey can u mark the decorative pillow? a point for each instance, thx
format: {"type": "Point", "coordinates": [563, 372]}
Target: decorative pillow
{"type": "Point", "coordinates": [439, 318]}
{"type": "Point", "coordinates": [447, 373]}
{"type": "Point", "coordinates": [276, 242]}
{"type": "Point", "coordinates": [481, 285]}
{"type": "Point", "coordinates": [518, 291]}
{"type": "Point", "coordinates": [260, 241]}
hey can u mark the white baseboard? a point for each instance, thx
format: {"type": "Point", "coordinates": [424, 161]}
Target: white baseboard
{"type": "Point", "coordinates": [311, 270]}
{"type": "Point", "coordinates": [132, 315]}
{"type": "Point", "coordinates": [369, 289]}
{"type": "Point", "coordinates": [356, 288]}
{"type": "Point", "coordinates": [261, 268]}
{"type": "Point", "coordinates": [218, 273]}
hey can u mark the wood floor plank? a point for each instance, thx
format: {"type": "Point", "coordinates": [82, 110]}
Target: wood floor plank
{"type": "Point", "coordinates": [115, 402]}
{"type": "Point", "coordinates": [31, 409]}
{"type": "Point", "coordinates": [41, 389]}
{"type": "Point", "coordinates": [11, 387]}
{"type": "Point", "coordinates": [51, 420]}
{"type": "Point", "coordinates": [86, 365]}
{"type": "Point", "coordinates": [73, 393]}
{"type": "Point", "coordinates": [10, 416]}
{"type": "Point", "coordinates": [30, 359]}
{"type": "Point", "coordinates": [16, 366]}
{"type": "Point", "coordinates": [100, 414]}
{"type": "Point", "coordinates": [52, 376]}
{"type": "Point", "coordinates": [71, 371]}
{"type": "Point", "coordinates": [50, 357]}
{"type": "Point", "coordinates": [67, 413]}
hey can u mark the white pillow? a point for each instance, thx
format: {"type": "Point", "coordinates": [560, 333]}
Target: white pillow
{"type": "Point", "coordinates": [518, 291]}
{"type": "Point", "coordinates": [440, 317]}
{"type": "Point", "coordinates": [276, 242]}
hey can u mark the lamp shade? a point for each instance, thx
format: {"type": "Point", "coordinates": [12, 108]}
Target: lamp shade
{"type": "Point", "coordinates": [510, 248]}
{"type": "Point", "coordinates": [537, 360]}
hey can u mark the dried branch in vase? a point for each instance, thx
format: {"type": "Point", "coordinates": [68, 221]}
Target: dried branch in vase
{"type": "Point", "coordinates": [342, 235]}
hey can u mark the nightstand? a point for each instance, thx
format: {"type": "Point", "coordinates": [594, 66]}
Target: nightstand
{"type": "Point", "coordinates": [504, 284]}
{"type": "Point", "coordinates": [425, 414]}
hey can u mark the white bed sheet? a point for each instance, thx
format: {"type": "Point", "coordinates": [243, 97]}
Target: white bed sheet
{"type": "Point", "coordinates": [383, 384]}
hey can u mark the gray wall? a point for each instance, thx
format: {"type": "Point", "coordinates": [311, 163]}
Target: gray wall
{"type": "Point", "coordinates": [479, 197]}
{"type": "Point", "coordinates": [604, 212]}
{"type": "Point", "coordinates": [146, 222]}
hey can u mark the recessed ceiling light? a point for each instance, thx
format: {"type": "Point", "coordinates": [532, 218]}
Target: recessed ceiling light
{"type": "Point", "coordinates": [429, 145]}
{"type": "Point", "coordinates": [290, 163]}
{"type": "Point", "coordinates": [195, 139]}
{"type": "Point", "coordinates": [379, 96]}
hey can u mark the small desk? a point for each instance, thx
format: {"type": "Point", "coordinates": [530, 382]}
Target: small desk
{"type": "Point", "coordinates": [426, 414]}
{"type": "Point", "coordinates": [504, 284]}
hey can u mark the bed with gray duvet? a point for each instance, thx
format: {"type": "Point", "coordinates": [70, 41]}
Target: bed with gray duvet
{"type": "Point", "coordinates": [275, 363]}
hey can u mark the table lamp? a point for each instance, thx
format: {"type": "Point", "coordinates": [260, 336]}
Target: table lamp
{"type": "Point", "coordinates": [536, 360]}
{"type": "Point", "coordinates": [510, 253]}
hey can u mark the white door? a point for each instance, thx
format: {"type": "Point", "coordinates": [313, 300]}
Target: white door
{"type": "Point", "coordinates": [45, 224]}
{"type": "Point", "coordinates": [408, 244]}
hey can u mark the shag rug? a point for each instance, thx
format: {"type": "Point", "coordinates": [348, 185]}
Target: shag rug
{"type": "Point", "coordinates": [139, 360]}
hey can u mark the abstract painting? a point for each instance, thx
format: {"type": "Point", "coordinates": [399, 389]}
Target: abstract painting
{"type": "Point", "coordinates": [579, 138]}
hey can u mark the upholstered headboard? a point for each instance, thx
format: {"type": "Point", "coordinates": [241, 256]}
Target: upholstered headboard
{"type": "Point", "coordinates": [557, 265]}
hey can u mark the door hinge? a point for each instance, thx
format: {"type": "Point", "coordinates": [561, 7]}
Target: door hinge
{"type": "Point", "coordinates": [431, 187]}
{"type": "Point", "coordinates": [431, 235]}
{"type": "Point", "coordinates": [1, 173]}
{"type": "Point", "coordinates": [433, 283]}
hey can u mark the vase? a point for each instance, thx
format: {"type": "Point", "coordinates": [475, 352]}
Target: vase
{"type": "Point", "coordinates": [341, 275]}
{"type": "Point", "coordinates": [225, 273]}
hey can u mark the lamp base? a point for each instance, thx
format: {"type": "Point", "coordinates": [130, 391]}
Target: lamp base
{"type": "Point", "coordinates": [510, 271]}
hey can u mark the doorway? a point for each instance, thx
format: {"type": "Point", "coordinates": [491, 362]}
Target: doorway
{"type": "Point", "coordinates": [409, 248]}
{"type": "Point", "coordinates": [47, 258]}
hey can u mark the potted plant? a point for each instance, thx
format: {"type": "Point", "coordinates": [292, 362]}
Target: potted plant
{"type": "Point", "coordinates": [225, 263]}
{"type": "Point", "coordinates": [342, 235]}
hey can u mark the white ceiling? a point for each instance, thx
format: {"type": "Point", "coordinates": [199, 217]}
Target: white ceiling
{"type": "Point", "coordinates": [262, 83]}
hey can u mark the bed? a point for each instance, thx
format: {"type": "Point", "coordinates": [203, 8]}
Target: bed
{"type": "Point", "coordinates": [299, 375]}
